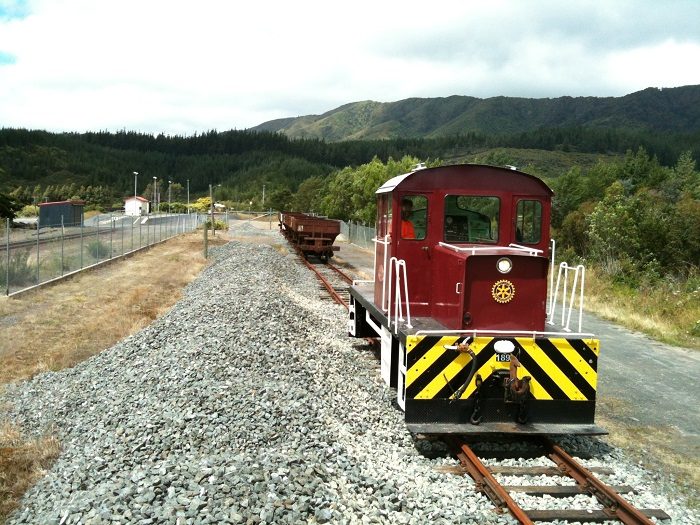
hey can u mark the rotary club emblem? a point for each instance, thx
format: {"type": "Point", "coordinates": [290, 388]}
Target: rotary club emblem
{"type": "Point", "coordinates": [503, 291]}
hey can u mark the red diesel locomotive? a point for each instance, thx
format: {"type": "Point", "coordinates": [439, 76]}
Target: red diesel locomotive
{"type": "Point", "coordinates": [459, 300]}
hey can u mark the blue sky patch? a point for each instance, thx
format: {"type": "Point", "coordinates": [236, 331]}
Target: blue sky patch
{"type": "Point", "coordinates": [6, 58]}
{"type": "Point", "coordinates": [11, 9]}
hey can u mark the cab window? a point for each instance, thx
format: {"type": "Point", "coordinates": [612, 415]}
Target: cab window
{"type": "Point", "coordinates": [471, 218]}
{"type": "Point", "coordinates": [528, 222]}
{"type": "Point", "coordinates": [383, 215]}
{"type": "Point", "coordinates": [414, 216]}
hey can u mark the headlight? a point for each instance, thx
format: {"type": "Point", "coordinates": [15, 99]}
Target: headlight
{"type": "Point", "coordinates": [504, 347]}
{"type": "Point", "coordinates": [504, 265]}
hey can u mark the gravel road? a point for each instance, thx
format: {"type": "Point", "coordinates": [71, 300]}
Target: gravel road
{"type": "Point", "coordinates": [245, 403]}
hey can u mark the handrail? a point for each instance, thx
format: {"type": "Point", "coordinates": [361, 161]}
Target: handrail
{"type": "Point", "coordinates": [552, 254]}
{"type": "Point", "coordinates": [386, 242]}
{"type": "Point", "coordinates": [515, 249]}
{"type": "Point", "coordinates": [563, 274]}
{"type": "Point", "coordinates": [515, 333]}
{"type": "Point", "coordinates": [532, 251]}
{"type": "Point", "coordinates": [397, 269]}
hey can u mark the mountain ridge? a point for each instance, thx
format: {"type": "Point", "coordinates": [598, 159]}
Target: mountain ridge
{"type": "Point", "coordinates": [652, 109]}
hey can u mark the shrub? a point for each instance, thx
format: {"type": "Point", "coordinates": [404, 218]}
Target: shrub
{"type": "Point", "coordinates": [21, 273]}
{"type": "Point", "coordinates": [218, 225]}
{"type": "Point", "coordinates": [98, 250]}
{"type": "Point", "coordinates": [29, 211]}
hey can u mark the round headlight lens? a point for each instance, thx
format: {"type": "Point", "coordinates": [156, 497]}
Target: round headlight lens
{"type": "Point", "coordinates": [504, 265]}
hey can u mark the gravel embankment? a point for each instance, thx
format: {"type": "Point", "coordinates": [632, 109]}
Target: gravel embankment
{"type": "Point", "coordinates": [246, 403]}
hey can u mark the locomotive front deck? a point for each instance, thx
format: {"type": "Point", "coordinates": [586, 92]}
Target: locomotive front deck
{"type": "Point", "coordinates": [422, 363]}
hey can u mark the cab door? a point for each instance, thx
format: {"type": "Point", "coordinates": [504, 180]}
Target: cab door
{"type": "Point", "coordinates": [414, 245]}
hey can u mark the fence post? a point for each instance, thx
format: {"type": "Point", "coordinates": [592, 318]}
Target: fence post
{"type": "Point", "coordinates": [7, 270]}
{"type": "Point", "coordinates": [62, 237]}
{"type": "Point", "coordinates": [38, 229]}
{"type": "Point", "coordinates": [82, 223]}
{"type": "Point", "coordinates": [97, 245]}
{"type": "Point", "coordinates": [206, 242]}
{"type": "Point", "coordinates": [111, 234]}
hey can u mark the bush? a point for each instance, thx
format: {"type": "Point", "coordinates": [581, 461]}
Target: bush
{"type": "Point", "coordinates": [29, 211]}
{"type": "Point", "coordinates": [218, 225]}
{"type": "Point", "coordinates": [695, 330]}
{"type": "Point", "coordinates": [22, 272]}
{"type": "Point", "coordinates": [98, 250]}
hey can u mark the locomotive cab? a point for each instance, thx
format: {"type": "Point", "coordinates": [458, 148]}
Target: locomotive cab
{"type": "Point", "coordinates": [461, 270]}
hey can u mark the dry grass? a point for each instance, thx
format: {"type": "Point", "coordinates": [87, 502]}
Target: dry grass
{"type": "Point", "coordinates": [651, 447]}
{"type": "Point", "coordinates": [666, 313]}
{"type": "Point", "coordinates": [22, 463]}
{"type": "Point", "coordinates": [61, 325]}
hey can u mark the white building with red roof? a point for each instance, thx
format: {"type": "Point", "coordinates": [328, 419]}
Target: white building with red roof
{"type": "Point", "coordinates": [136, 206]}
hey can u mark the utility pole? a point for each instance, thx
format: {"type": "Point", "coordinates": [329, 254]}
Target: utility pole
{"type": "Point", "coordinates": [155, 194]}
{"type": "Point", "coordinates": [263, 200]}
{"type": "Point", "coordinates": [211, 198]}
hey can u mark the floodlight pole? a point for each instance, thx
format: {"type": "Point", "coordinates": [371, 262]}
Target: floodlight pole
{"type": "Point", "coordinates": [211, 209]}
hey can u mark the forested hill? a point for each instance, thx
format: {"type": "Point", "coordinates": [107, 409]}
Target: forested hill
{"type": "Point", "coordinates": [651, 110]}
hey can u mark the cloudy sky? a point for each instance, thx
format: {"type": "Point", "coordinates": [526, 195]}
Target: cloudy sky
{"type": "Point", "coordinates": [183, 67]}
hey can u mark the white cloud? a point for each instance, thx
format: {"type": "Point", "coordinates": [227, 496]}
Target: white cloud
{"type": "Point", "coordinates": [183, 67]}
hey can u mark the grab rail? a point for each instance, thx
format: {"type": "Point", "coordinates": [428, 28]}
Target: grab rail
{"type": "Point", "coordinates": [534, 334]}
{"type": "Point", "coordinates": [397, 269]}
{"type": "Point", "coordinates": [552, 256]}
{"type": "Point", "coordinates": [514, 249]}
{"type": "Point", "coordinates": [385, 243]}
{"type": "Point", "coordinates": [563, 275]}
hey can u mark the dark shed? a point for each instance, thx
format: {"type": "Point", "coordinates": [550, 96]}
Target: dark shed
{"type": "Point", "coordinates": [50, 213]}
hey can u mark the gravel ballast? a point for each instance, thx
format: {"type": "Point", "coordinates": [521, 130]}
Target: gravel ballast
{"type": "Point", "coordinates": [245, 403]}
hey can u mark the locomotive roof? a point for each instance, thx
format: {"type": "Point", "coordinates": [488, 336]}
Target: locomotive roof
{"type": "Point", "coordinates": [476, 176]}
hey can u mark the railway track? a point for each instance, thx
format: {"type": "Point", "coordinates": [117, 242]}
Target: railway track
{"type": "Point", "coordinates": [333, 280]}
{"type": "Point", "coordinates": [50, 238]}
{"type": "Point", "coordinates": [606, 502]}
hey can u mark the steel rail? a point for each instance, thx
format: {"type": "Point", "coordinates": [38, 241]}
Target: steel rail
{"type": "Point", "coordinates": [486, 483]}
{"type": "Point", "coordinates": [31, 243]}
{"type": "Point", "coordinates": [340, 272]}
{"type": "Point", "coordinates": [615, 505]}
{"type": "Point", "coordinates": [337, 298]}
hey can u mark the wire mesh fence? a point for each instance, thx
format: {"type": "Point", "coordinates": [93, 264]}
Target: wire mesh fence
{"type": "Point", "coordinates": [32, 256]}
{"type": "Point", "coordinates": [358, 234]}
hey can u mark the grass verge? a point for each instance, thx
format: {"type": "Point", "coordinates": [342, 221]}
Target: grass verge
{"type": "Point", "coordinates": [58, 326]}
{"type": "Point", "coordinates": [668, 312]}
{"type": "Point", "coordinates": [22, 462]}
{"type": "Point", "coordinates": [652, 448]}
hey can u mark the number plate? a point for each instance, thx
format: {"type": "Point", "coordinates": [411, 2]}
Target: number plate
{"type": "Point", "coordinates": [503, 358]}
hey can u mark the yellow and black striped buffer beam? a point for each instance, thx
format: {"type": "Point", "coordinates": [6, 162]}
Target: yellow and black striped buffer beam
{"type": "Point", "coordinates": [560, 368]}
